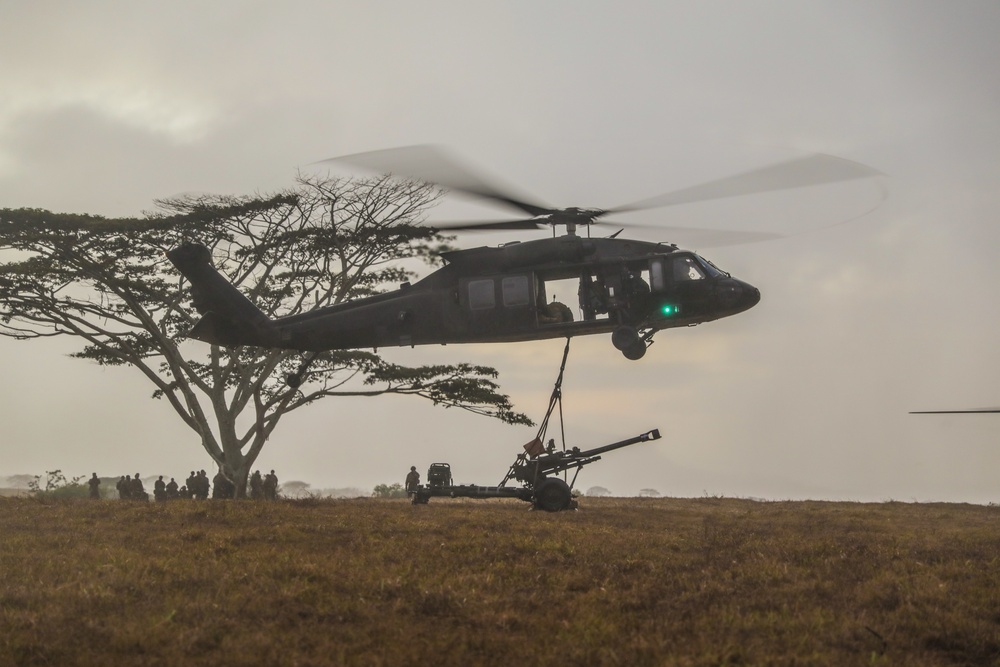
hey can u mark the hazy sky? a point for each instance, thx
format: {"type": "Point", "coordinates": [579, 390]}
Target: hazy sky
{"type": "Point", "coordinates": [105, 106]}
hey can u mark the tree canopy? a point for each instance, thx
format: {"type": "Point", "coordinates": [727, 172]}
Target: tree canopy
{"type": "Point", "coordinates": [107, 282]}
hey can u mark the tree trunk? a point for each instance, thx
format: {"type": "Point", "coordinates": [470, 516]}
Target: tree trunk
{"type": "Point", "coordinates": [237, 467]}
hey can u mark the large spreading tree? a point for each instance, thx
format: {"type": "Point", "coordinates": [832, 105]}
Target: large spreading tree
{"type": "Point", "coordinates": [107, 282]}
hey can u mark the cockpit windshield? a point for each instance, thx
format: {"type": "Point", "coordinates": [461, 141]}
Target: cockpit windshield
{"type": "Point", "coordinates": [712, 269]}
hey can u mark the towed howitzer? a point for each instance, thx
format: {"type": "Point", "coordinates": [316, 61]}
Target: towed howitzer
{"type": "Point", "coordinates": [535, 469]}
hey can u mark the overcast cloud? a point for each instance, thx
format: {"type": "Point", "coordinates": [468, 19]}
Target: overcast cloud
{"type": "Point", "coordinates": [106, 106]}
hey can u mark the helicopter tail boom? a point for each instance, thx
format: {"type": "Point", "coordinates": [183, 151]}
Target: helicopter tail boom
{"type": "Point", "coordinates": [228, 317]}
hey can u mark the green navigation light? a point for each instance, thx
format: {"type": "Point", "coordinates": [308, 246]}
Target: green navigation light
{"type": "Point", "coordinates": [670, 309]}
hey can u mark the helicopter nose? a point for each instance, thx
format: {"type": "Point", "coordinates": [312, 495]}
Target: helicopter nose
{"type": "Point", "coordinates": [735, 296]}
{"type": "Point", "coordinates": [750, 297]}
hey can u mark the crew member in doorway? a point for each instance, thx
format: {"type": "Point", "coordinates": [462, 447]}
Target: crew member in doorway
{"type": "Point", "coordinates": [593, 295]}
{"type": "Point", "coordinates": [636, 291]}
{"type": "Point", "coordinates": [554, 313]}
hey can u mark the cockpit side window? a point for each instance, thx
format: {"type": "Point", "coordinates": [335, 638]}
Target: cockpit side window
{"type": "Point", "coordinates": [687, 268]}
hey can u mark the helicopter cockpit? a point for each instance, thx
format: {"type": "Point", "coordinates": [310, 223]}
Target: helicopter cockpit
{"type": "Point", "coordinates": [681, 267]}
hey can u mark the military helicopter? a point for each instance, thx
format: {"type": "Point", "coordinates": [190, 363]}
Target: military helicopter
{"type": "Point", "coordinates": [628, 288]}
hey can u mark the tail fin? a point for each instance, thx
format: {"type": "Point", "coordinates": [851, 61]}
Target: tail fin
{"type": "Point", "coordinates": [228, 317]}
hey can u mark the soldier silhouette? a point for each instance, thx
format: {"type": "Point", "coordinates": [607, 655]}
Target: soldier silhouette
{"type": "Point", "coordinates": [412, 481]}
{"type": "Point", "coordinates": [270, 486]}
{"type": "Point", "coordinates": [202, 487]}
{"type": "Point", "coordinates": [256, 486]}
{"type": "Point", "coordinates": [159, 490]}
{"type": "Point", "coordinates": [136, 491]}
{"type": "Point", "coordinates": [95, 487]}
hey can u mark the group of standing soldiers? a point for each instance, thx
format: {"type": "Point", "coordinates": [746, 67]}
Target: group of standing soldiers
{"type": "Point", "coordinates": [196, 486]}
{"type": "Point", "coordinates": [129, 488]}
{"type": "Point", "coordinates": [263, 488]}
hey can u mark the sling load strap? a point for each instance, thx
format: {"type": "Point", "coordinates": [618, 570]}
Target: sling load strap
{"type": "Point", "coordinates": [554, 400]}
{"type": "Point", "coordinates": [537, 446]}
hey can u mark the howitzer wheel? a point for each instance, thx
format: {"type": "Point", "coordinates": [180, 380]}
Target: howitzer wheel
{"type": "Point", "coordinates": [553, 495]}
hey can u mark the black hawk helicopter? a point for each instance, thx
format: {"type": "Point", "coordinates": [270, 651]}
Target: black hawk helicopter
{"type": "Point", "coordinates": [628, 288]}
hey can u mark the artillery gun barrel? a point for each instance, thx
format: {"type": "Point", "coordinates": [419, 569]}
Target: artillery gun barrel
{"type": "Point", "coordinates": [645, 437]}
{"type": "Point", "coordinates": [575, 458]}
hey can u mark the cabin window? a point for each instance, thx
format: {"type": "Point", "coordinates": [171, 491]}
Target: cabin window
{"type": "Point", "coordinates": [515, 291]}
{"type": "Point", "coordinates": [481, 295]}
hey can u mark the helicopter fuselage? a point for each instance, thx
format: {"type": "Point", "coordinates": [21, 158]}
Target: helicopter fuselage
{"type": "Point", "coordinates": [498, 294]}
{"type": "Point", "coordinates": [494, 294]}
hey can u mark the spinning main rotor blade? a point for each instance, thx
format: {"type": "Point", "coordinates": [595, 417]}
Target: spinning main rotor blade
{"type": "Point", "coordinates": [432, 164]}
{"type": "Point", "coordinates": [955, 412]}
{"type": "Point", "coordinates": [801, 172]}
{"type": "Point", "coordinates": [693, 236]}
{"type": "Point", "coordinates": [485, 225]}
{"type": "Point", "coordinates": [701, 237]}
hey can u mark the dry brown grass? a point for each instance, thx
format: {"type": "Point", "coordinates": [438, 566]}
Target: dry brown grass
{"type": "Point", "coordinates": [620, 582]}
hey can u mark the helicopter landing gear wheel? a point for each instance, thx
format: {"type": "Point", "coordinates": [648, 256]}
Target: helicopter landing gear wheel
{"type": "Point", "coordinates": [553, 495]}
{"type": "Point", "coordinates": [628, 340]}
{"type": "Point", "coordinates": [625, 337]}
{"type": "Point", "coordinates": [635, 352]}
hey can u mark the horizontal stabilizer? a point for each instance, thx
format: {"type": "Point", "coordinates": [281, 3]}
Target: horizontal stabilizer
{"type": "Point", "coordinates": [228, 317]}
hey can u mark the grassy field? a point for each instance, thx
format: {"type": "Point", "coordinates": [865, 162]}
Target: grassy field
{"type": "Point", "coordinates": [620, 582]}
